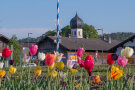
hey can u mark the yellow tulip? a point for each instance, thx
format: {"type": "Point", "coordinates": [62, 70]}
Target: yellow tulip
{"type": "Point", "coordinates": [52, 66]}
{"type": "Point", "coordinates": [37, 71]}
{"type": "Point", "coordinates": [53, 74]}
{"type": "Point", "coordinates": [60, 65]}
{"type": "Point", "coordinates": [115, 73]}
{"type": "Point", "coordinates": [12, 69]}
{"type": "Point", "coordinates": [78, 85]}
{"type": "Point", "coordinates": [2, 73]}
{"type": "Point", "coordinates": [73, 70]}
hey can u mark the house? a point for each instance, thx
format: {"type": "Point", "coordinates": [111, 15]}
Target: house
{"type": "Point", "coordinates": [3, 43]}
{"type": "Point", "coordinates": [69, 45]}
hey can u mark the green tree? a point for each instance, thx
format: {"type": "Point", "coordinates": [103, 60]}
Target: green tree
{"type": "Point", "coordinates": [90, 31]}
{"type": "Point", "coordinates": [17, 48]}
{"type": "Point", "coordinates": [87, 30]}
{"type": "Point", "coordinates": [50, 33]}
{"type": "Point", "coordinates": [66, 31]}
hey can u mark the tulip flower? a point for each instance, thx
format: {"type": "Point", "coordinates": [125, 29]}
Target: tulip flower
{"type": "Point", "coordinates": [52, 66]}
{"type": "Point", "coordinates": [73, 70]}
{"type": "Point", "coordinates": [127, 52]}
{"type": "Point", "coordinates": [49, 59]}
{"type": "Point", "coordinates": [80, 52]}
{"type": "Point", "coordinates": [33, 49]}
{"type": "Point", "coordinates": [115, 73]}
{"type": "Point", "coordinates": [2, 73]}
{"type": "Point", "coordinates": [60, 65]}
{"type": "Point", "coordinates": [1, 65]}
{"type": "Point", "coordinates": [88, 65]}
{"type": "Point", "coordinates": [6, 52]}
{"type": "Point", "coordinates": [26, 59]}
{"type": "Point", "coordinates": [88, 57]}
{"type": "Point", "coordinates": [37, 71]}
{"type": "Point", "coordinates": [75, 66]}
{"type": "Point", "coordinates": [25, 50]}
{"type": "Point", "coordinates": [63, 84]}
{"type": "Point", "coordinates": [69, 64]}
{"type": "Point", "coordinates": [81, 62]}
{"type": "Point", "coordinates": [114, 57]}
{"type": "Point", "coordinates": [109, 59]}
{"type": "Point", "coordinates": [11, 62]}
{"type": "Point", "coordinates": [122, 61]}
{"type": "Point", "coordinates": [12, 69]}
{"type": "Point", "coordinates": [97, 79]}
{"type": "Point", "coordinates": [58, 56]}
{"type": "Point", "coordinates": [78, 85]}
{"type": "Point", "coordinates": [62, 74]}
{"type": "Point", "coordinates": [53, 74]}
{"type": "Point", "coordinates": [41, 56]}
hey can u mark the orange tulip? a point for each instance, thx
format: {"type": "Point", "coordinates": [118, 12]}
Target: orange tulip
{"type": "Point", "coordinates": [49, 59]}
{"type": "Point", "coordinates": [97, 79]}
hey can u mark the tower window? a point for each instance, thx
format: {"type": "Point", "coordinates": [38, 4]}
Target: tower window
{"type": "Point", "coordinates": [74, 33]}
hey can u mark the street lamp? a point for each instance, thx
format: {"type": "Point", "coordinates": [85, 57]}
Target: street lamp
{"type": "Point", "coordinates": [28, 38]}
{"type": "Point", "coordinates": [102, 39]}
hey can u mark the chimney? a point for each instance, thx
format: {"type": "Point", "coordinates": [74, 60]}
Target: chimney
{"type": "Point", "coordinates": [69, 35]}
{"type": "Point", "coordinates": [109, 40]}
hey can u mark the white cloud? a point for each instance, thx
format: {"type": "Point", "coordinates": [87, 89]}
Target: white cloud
{"type": "Point", "coordinates": [23, 32]}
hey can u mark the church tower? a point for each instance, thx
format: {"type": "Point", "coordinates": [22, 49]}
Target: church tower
{"type": "Point", "coordinates": [76, 24]}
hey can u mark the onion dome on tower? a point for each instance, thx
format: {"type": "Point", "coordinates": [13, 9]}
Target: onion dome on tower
{"type": "Point", "coordinates": [76, 22]}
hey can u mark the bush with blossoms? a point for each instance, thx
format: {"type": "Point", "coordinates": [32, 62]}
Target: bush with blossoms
{"type": "Point", "coordinates": [55, 75]}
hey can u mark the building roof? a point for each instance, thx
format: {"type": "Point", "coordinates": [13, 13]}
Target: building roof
{"type": "Point", "coordinates": [4, 38]}
{"type": "Point", "coordinates": [89, 44]}
{"type": "Point", "coordinates": [76, 22]}
{"type": "Point", "coordinates": [122, 43]}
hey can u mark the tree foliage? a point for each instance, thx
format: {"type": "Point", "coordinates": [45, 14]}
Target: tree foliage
{"type": "Point", "coordinates": [90, 31]}
{"type": "Point", "coordinates": [119, 35]}
{"type": "Point", "coordinates": [17, 48]}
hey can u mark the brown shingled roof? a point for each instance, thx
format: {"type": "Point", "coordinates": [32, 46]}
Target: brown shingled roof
{"type": "Point", "coordinates": [89, 44]}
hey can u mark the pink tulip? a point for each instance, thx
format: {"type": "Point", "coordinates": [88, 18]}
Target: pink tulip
{"type": "Point", "coordinates": [33, 49]}
{"type": "Point", "coordinates": [80, 52]}
{"type": "Point", "coordinates": [81, 62]}
{"type": "Point", "coordinates": [122, 61]}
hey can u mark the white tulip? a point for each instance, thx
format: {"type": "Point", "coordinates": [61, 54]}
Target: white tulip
{"type": "Point", "coordinates": [62, 74]}
{"type": "Point", "coordinates": [41, 56]}
{"type": "Point", "coordinates": [127, 52]}
{"type": "Point", "coordinates": [69, 63]}
{"type": "Point", "coordinates": [25, 50]}
{"type": "Point", "coordinates": [1, 65]}
{"type": "Point", "coordinates": [58, 56]}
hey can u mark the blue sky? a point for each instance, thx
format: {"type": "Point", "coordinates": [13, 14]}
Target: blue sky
{"type": "Point", "coordinates": [37, 16]}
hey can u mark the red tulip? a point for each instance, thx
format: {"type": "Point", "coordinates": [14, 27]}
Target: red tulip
{"type": "Point", "coordinates": [49, 59]}
{"type": "Point", "coordinates": [6, 52]}
{"type": "Point", "coordinates": [33, 49]}
{"type": "Point", "coordinates": [89, 58]}
{"type": "Point", "coordinates": [80, 52]}
{"type": "Point", "coordinates": [88, 64]}
{"type": "Point", "coordinates": [81, 62]}
{"type": "Point", "coordinates": [109, 59]}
